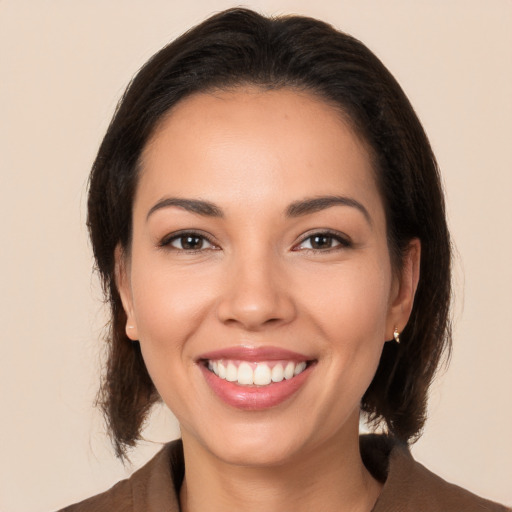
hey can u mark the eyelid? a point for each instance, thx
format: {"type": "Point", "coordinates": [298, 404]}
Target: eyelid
{"type": "Point", "coordinates": [165, 242]}
{"type": "Point", "coordinates": [343, 239]}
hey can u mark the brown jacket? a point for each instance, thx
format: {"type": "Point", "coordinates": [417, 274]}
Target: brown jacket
{"type": "Point", "coordinates": [408, 486]}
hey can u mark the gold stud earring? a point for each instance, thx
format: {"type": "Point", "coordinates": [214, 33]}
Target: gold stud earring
{"type": "Point", "coordinates": [396, 335]}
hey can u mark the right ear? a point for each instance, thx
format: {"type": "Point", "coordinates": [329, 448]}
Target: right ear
{"type": "Point", "coordinates": [122, 277]}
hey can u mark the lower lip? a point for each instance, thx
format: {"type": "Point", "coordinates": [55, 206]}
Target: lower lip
{"type": "Point", "coordinates": [255, 398]}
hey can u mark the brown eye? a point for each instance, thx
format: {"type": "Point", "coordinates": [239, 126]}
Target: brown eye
{"type": "Point", "coordinates": [321, 242]}
{"type": "Point", "coordinates": [188, 242]}
{"type": "Point", "coordinates": [324, 242]}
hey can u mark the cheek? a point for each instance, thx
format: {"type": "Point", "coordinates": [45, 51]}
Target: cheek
{"type": "Point", "coordinates": [169, 304]}
{"type": "Point", "coordinates": [170, 307]}
{"type": "Point", "coordinates": [352, 314]}
{"type": "Point", "coordinates": [352, 303]}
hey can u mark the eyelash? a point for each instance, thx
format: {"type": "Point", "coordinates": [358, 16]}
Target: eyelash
{"type": "Point", "coordinates": [343, 241]}
{"type": "Point", "coordinates": [166, 242]}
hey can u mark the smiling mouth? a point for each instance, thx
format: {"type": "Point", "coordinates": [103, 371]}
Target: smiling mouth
{"type": "Point", "coordinates": [255, 378]}
{"type": "Point", "coordinates": [260, 374]}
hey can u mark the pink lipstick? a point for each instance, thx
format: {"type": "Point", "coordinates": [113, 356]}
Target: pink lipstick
{"type": "Point", "coordinates": [255, 378]}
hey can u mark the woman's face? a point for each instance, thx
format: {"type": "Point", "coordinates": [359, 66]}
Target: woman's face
{"type": "Point", "coordinates": [259, 281]}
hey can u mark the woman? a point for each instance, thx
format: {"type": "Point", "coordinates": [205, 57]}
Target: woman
{"type": "Point", "coordinates": [267, 218]}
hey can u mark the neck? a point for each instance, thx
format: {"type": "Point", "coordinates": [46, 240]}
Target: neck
{"type": "Point", "coordinates": [330, 477]}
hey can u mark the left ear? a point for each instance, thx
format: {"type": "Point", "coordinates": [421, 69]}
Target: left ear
{"type": "Point", "coordinates": [404, 289]}
{"type": "Point", "coordinates": [124, 288]}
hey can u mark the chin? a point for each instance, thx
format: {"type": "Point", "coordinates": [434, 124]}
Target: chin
{"type": "Point", "coordinates": [254, 444]}
{"type": "Point", "coordinates": [256, 453]}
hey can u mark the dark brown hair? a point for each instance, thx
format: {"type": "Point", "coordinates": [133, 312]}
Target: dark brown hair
{"type": "Point", "coordinates": [240, 47]}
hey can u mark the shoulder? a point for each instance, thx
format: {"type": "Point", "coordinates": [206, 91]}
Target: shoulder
{"type": "Point", "coordinates": [118, 498]}
{"type": "Point", "coordinates": [150, 489]}
{"type": "Point", "coordinates": [409, 486]}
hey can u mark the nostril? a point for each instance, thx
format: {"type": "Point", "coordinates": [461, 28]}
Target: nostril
{"type": "Point", "coordinates": [253, 300]}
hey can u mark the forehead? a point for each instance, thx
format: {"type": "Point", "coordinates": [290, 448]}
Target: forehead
{"type": "Point", "coordinates": [250, 144]}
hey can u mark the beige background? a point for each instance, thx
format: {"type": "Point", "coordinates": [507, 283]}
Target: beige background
{"type": "Point", "coordinates": [64, 64]}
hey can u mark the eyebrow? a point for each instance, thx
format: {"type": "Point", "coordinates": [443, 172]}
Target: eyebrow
{"type": "Point", "coordinates": [295, 209]}
{"type": "Point", "coordinates": [316, 204]}
{"type": "Point", "coordinates": [192, 205]}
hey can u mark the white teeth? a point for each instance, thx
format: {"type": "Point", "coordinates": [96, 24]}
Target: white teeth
{"type": "Point", "coordinates": [299, 368]}
{"type": "Point", "coordinates": [231, 373]}
{"type": "Point", "coordinates": [277, 373]}
{"type": "Point", "coordinates": [289, 371]}
{"type": "Point", "coordinates": [259, 374]}
{"type": "Point", "coordinates": [262, 375]}
{"type": "Point", "coordinates": [245, 374]}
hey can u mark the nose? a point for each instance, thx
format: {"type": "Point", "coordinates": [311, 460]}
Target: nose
{"type": "Point", "coordinates": [256, 295]}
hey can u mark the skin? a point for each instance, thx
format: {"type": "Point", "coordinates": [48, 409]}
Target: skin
{"type": "Point", "coordinates": [259, 282]}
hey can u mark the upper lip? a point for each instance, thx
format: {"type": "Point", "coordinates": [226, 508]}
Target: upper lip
{"type": "Point", "coordinates": [254, 354]}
